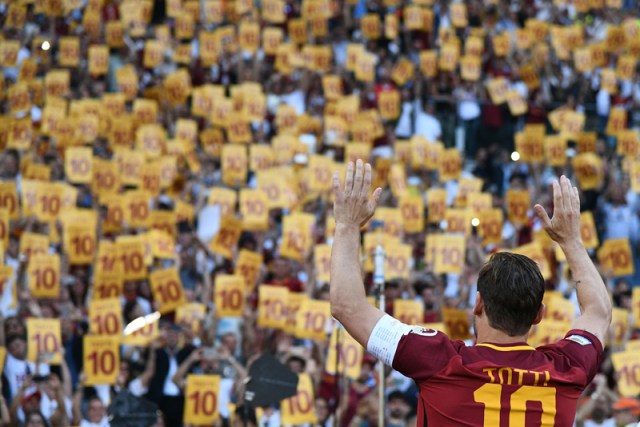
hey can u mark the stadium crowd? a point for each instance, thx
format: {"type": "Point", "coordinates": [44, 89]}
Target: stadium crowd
{"type": "Point", "coordinates": [175, 157]}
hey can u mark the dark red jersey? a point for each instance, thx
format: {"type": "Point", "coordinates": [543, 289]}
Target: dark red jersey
{"type": "Point", "coordinates": [490, 384]}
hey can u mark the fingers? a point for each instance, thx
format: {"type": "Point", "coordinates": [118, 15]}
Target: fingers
{"type": "Point", "coordinates": [357, 182]}
{"type": "Point", "coordinates": [375, 199]}
{"type": "Point", "coordinates": [366, 185]}
{"type": "Point", "coordinates": [336, 184]}
{"type": "Point", "coordinates": [576, 199]}
{"type": "Point", "coordinates": [557, 196]}
{"type": "Point", "coordinates": [348, 182]}
{"type": "Point", "coordinates": [542, 215]}
{"type": "Point", "coordinates": [567, 193]}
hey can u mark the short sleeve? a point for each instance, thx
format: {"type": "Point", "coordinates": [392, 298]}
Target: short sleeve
{"type": "Point", "coordinates": [422, 353]}
{"type": "Point", "coordinates": [583, 349]}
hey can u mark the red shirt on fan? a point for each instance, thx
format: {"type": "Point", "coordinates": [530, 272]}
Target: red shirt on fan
{"type": "Point", "coordinates": [489, 384]}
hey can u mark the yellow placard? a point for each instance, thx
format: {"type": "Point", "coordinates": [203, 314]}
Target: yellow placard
{"type": "Point", "coordinates": [167, 289]}
{"type": "Point", "coordinates": [449, 253]}
{"type": "Point", "coordinates": [272, 306]}
{"type": "Point", "coordinates": [107, 260]}
{"type": "Point", "coordinates": [226, 240]}
{"type": "Point", "coordinates": [478, 202]}
{"type": "Point", "coordinates": [450, 164]}
{"type": "Point", "coordinates": [44, 275]}
{"type": "Point", "coordinates": [412, 213]}
{"type": "Point", "coordinates": [619, 326]}
{"type": "Point", "coordinates": [490, 227]}
{"type": "Point", "coordinates": [69, 51]}
{"type": "Point", "coordinates": [107, 285]}
{"type": "Point", "coordinates": [229, 295]}
{"type": "Point", "coordinates": [555, 150]}
{"type": "Point", "coordinates": [33, 244]}
{"type": "Point", "coordinates": [312, 319]}
{"type": "Point", "coordinates": [296, 236]}
{"type": "Point", "coordinates": [294, 302]}
{"type": "Point", "coordinates": [458, 220]}
{"type": "Point", "coordinates": [389, 104]}
{"type": "Point", "coordinates": [143, 336]}
{"type": "Point", "coordinates": [560, 309]}
{"type": "Point", "coordinates": [136, 213]}
{"type": "Point", "coordinates": [101, 355]}
{"type": "Point", "coordinates": [7, 279]}
{"type": "Point", "coordinates": [348, 353]}
{"type": "Point", "coordinates": [391, 220]}
{"type": "Point", "coordinates": [98, 58]}
{"type": "Point", "coordinates": [530, 146]}
{"type": "Point", "coordinates": [615, 255]}
{"type": "Point", "coordinates": [300, 408]}
{"type": "Point", "coordinates": [429, 63]}
{"type": "Point", "coordinates": [626, 365]}
{"type": "Point", "coordinates": [408, 311]}
{"type": "Point", "coordinates": [457, 323]}
{"type": "Point", "coordinates": [4, 231]}
{"type": "Point", "coordinates": [470, 68]}
{"type": "Point", "coordinates": [105, 317]}
{"type": "Point", "coordinates": [371, 26]}
{"type": "Point", "coordinates": [548, 331]}
{"type": "Point", "coordinates": [398, 261]}
{"type": "Point", "coordinates": [254, 208]}
{"type": "Point", "coordinates": [536, 253]}
{"type": "Point", "coordinates": [436, 204]}
{"type": "Point", "coordinates": [588, 231]}
{"type": "Point", "coordinates": [190, 316]}
{"type": "Point", "coordinates": [628, 143]}
{"type": "Point", "coordinates": [617, 121]}
{"type": "Point", "coordinates": [131, 251]}
{"type": "Point", "coordinates": [162, 244]}
{"type": "Point", "coordinates": [322, 262]}
{"type": "Point", "coordinates": [225, 199]}
{"type": "Point", "coordinates": [635, 306]}
{"type": "Point", "coordinates": [449, 56]}
{"type": "Point", "coordinates": [9, 199]}
{"type": "Point", "coordinates": [248, 266]}
{"type": "Point", "coordinates": [37, 172]}
{"type": "Point", "coordinates": [588, 168]}
{"type": "Point", "coordinates": [201, 399]}
{"type": "Point", "coordinates": [498, 89]}
{"type": "Point", "coordinates": [80, 242]}
{"type": "Point", "coordinates": [234, 164]}
{"type": "Point", "coordinates": [106, 179]}
{"type": "Point", "coordinates": [43, 339]}
{"type": "Point", "coordinates": [518, 202]}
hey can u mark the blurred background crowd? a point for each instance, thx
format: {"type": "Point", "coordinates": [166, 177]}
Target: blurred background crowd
{"type": "Point", "coordinates": [165, 194]}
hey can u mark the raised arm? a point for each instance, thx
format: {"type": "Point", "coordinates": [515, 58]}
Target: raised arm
{"type": "Point", "coordinates": [564, 228]}
{"type": "Point", "coordinates": [352, 209]}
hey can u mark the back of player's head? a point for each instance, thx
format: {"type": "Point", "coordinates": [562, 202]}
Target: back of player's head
{"type": "Point", "coordinates": [512, 288]}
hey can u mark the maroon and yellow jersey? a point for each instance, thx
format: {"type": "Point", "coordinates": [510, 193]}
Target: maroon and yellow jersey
{"type": "Point", "coordinates": [489, 384]}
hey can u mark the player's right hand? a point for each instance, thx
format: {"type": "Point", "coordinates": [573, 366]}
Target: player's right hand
{"type": "Point", "coordinates": [564, 227]}
{"type": "Point", "coordinates": [352, 205]}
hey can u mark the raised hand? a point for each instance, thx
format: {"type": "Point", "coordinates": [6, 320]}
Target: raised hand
{"type": "Point", "coordinates": [564, 227]}
{"type": "Point", "coordinates": [352, 205]}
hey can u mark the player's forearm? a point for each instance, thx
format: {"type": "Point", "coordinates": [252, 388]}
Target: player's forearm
{"type": "Point", "coordinates": [347, 289]}
{"type": "Point", "coordinates": [590, 289]}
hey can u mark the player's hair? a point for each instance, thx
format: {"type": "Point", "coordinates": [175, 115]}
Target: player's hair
{"type": "Point", "coordinates": [512, 288]}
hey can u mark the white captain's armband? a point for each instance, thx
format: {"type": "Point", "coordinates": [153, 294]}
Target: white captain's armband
{"type": "Point", "coordinates": [385, 337]}
{"type": "Point", "coordinates": [579, 339]}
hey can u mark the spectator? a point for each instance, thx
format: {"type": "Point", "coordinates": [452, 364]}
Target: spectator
{"type": "Point", "coordinates": [162, 389]}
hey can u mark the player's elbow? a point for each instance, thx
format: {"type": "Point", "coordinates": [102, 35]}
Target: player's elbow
{"type": "Point", "coordinates": [338, 309]}
{"type": "Point", "coordinates": [601, 309]}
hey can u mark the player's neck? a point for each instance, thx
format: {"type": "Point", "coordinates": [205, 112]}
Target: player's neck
{"type": "Point", "coordinates": [487, 334]}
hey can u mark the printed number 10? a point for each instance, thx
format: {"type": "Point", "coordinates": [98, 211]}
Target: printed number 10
{"type": "Point", "coordinates": [490, 394]}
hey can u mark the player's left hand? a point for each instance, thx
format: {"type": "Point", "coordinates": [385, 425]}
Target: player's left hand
{"type": "Point", "coordinates": [352, 205]}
